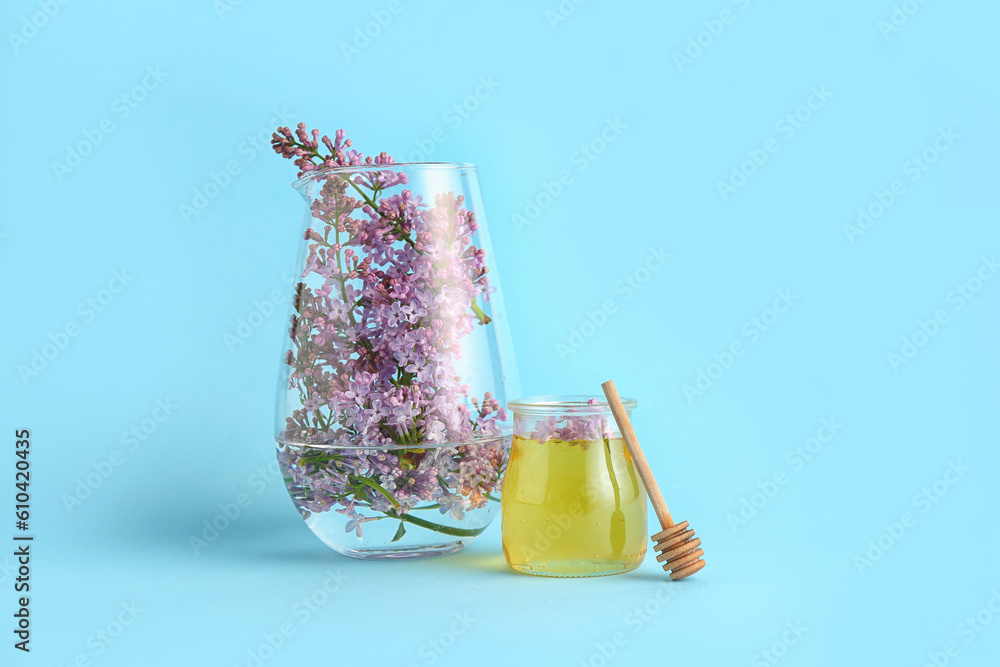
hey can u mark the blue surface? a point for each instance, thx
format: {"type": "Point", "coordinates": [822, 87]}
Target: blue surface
{"type": "Point", "coordinates": [825, 108]}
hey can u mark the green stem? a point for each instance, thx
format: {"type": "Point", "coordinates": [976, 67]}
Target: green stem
{"type": "Point", "coordinates": [480, 315]}
{"type": "Point", "coordinates": [340, 268]}
{"type": "Point", "coordinates": [611, 471]}
{"type": "Point", "coordinates": [437, 527]}
{"type": "Point", "coordinates": [368, 200]}
{"type": "Point", "coordinates": [378, 487]}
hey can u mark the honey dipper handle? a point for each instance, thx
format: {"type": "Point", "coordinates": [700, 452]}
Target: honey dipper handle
{"type": "Point", "coordinates": [625, 426]}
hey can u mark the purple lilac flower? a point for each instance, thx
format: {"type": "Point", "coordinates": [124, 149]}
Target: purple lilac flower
{"type": "Point", "coordinates": [374, 343]}
{"type": "Point", "coordinates": [573, 426]}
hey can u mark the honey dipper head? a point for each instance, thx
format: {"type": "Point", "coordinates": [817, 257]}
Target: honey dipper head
{"type": "Point", "coordinates": [678, 550]}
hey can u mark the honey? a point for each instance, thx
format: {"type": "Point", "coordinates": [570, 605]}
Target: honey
{"type": "Point", "coordinates": [573, 508]}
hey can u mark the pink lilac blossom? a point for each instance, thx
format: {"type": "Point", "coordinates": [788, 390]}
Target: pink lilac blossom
{"type": "Point", "coordinates": [394, 288]}
{"type": "Point", "coordinates": [574, 426]}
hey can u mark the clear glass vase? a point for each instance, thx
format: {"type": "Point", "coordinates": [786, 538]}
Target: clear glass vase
{"type": "Point", "coordinates": [573, 504]}
{"type": "Point", "coordinates": [390, 430]}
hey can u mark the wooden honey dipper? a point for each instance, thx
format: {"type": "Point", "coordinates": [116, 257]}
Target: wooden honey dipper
{"type": "Point", "coordinates": [676, 544]}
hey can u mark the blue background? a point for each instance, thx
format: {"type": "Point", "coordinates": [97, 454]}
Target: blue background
{"type": "Point", "coordinates": [672, 130]}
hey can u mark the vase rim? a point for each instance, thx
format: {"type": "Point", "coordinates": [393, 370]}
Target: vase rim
{"type": "Point", "coordinates": [312, 176]}
{"type": "Point", "coordinates": [576, 403]}
{"type": "Point", "coordinates": [504, 433]}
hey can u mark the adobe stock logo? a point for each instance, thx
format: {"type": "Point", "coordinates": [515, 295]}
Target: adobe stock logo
{"type": "Point", "coordinates": [255, 143]}
{"type": "Point", "coordinates": [752, 329]}
{"type": "Point", "coordinates": [639, 617]}
{"type": "Point", "coordinates": [261, 312]}
{"type": "Point", "coordinates": [787, 126]}
{"type": "Point", "coordinates": [714, 28]}
{"type": "Point", "coordinates": [246, 326]}
{"type": "Point", "coordinates": [627, 287]}
{"type": "Point", "coordinates": [923, 501]}
{"type": "Point", "coordinates": [562, 12]}
{"type": "Point", "coordinates": [434, 649]}
{"type": "Point", "coordinates": [105, 468]}
{"type": "Point", "coordinates": [455, 116]}
{"type": "Point", "coordinates": [796, 459]}
{"type": "Point", "coordinates": [900, 16]}
{"type": "Point", "coordinates": [779, 649]}
{"type": "Point", "coordinates": [914, 168]}
{"type": "Point", "coordinates": [223, 7]}
{"type": "Point", "coordinates": [88, 310]}
{"type": "Point", "coordinates": [30, 25]}
{"type": "Point", "coordinates": [229, 513]}
{"type": "Point", "coordinates": [122, 107]}
{"type": "Point", "coordinates": [363, 35]}
{"type": "Point", "coordinates": [959, 296]}
{"type": "Point", "coordinates": [108, 634]}
{"type": "Point", "coordinates": [262, 651]}
{"type": "Point", "coordinates": [582, 159]}
{"type": "Point", "coordinates": [968, 630]}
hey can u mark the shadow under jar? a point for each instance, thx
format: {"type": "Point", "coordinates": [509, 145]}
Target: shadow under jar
{"type": "Point", "coordinates": [572, 503]}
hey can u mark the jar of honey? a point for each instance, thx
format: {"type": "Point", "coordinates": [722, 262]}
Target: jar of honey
{"type": "Point", "coordinates": [572, 504]}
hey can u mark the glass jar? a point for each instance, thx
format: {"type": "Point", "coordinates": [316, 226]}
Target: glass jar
{"type": "Point", "coordinates": [572, 504]}
{"type": "Point", "coordinates": [390, 427]}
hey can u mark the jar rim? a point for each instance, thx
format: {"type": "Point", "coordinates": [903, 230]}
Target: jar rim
{"type": "Point", "coordinates": [317, 174]}
{"type": "Point", "coordinates": [577, 403]}
{"type": "Point", "coordinates": [503, 433]}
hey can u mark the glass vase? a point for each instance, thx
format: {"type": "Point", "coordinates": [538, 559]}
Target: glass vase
{"type": "Point", "coordinates": [573, 504]}
{"type": "Point", "coordinates": [390, 430]}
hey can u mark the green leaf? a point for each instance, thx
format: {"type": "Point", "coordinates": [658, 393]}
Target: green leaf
{"type": "Point", "coordinates": [400, 532]}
